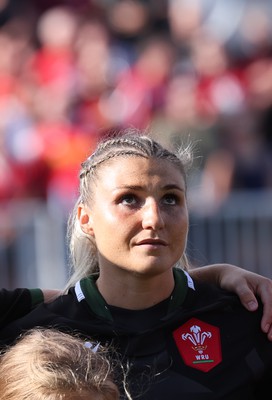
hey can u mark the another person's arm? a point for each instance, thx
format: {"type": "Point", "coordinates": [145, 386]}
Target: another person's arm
{"type": "Point", "coordinates": [16, 303]}
{"type": "Point", "coordinates": [247, 285]}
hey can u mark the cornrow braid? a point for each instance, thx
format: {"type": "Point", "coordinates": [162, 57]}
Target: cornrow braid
{"type": "Point", "coordinates": [117, 146]}
{"type": "Point", "coordinates": [129, 144]}
{"type": "Point", "coordinates": [87, 166]}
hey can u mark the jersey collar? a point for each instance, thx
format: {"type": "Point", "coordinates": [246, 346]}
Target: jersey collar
{"type": "Point", "coordinates": [86, 289]}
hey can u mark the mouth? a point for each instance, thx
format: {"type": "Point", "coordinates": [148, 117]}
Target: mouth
{"type": "Point", "coordinates": [152, 242]}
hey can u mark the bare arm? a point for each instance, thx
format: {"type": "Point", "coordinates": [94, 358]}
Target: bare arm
{"type": "Point", "coordinates": [245, 284]}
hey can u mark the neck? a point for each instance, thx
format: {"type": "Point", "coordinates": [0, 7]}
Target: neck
{"type": "Point", "coordinates": [135, 291]}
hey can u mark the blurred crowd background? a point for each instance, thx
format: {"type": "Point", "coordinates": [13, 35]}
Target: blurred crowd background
{"type": "Point", "coordinates": [72, 71]}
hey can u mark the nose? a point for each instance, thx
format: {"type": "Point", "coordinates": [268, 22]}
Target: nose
{"type": "Point", "coordinates": [152, 216]}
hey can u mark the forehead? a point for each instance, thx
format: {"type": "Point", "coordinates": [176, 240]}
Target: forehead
{"type": "Point", "coordinates": [134, 168]}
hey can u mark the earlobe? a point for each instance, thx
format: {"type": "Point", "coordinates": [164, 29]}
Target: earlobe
{"type": "Point", "coordinates": [85, 220]}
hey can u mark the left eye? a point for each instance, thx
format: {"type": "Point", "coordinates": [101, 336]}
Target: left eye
{"type": "Point", "coordinates": [170, 199]}
{"type": "Point", "coordinates": [129, 200]}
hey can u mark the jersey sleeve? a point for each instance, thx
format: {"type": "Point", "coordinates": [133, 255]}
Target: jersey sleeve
{"type": "Point", "coordinates": [17, 303]}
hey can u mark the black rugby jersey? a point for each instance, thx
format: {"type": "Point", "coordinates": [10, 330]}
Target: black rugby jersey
{"type": "Point", "coordinates": [201, 343]}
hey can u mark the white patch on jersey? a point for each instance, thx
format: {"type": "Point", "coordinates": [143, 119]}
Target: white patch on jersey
{"type": "Point", "coordinates": [79, 294]}
{"type": "Point", "coordinates": [190, 281]}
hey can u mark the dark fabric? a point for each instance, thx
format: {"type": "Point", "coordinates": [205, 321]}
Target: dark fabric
{"type": "Point", "coordinates": [16, 303]}
{"type": "Point", "coordinates": [156, 369]}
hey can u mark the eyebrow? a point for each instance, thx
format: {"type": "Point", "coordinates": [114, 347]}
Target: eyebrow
{"type": "Point", "coordinates": [173, 186]}
{"type": "Point", "coordinates": [140, 188]}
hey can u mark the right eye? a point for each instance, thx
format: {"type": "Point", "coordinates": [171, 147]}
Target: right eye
{"type": "Point", "coordinates": [129, 200]}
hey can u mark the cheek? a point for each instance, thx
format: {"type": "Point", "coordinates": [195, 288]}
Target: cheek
{"type": "Point", "coordinates": [186, 222]}
{"type": "Point", "coordinates": [110, 225]}
{"type": "Point", "coordinates": [180, 239]}
{"type": "Point", "coordinates": [118, 217]}
{"type": "Point", "coordinates": [102, 215]}
{"type": "Point", "coordinates": [181, 220]}
{"type": "Point", "coordinates": [180, 226]}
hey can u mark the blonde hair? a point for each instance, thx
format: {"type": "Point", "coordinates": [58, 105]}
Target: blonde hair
{"type": "Point", "coordinates": [46, 364]}
{"type": "Point", "coordinates": [126, 143]}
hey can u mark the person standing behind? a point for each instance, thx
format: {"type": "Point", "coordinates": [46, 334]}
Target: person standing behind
{"type": "Point", "coordinates": [47, 364]}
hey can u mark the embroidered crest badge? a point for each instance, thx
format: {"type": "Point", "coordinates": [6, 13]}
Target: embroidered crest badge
{"type": "Point", "coordinates": [199, 344]}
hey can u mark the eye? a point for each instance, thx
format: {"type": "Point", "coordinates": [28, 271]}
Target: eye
{"type": "Point", "coordinates": [129, 200]}
{"type": "Point", "coordinates": [171, 199]}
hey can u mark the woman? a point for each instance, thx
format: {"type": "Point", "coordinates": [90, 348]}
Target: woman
{"type": "Point", "coordinates": [178, 338]}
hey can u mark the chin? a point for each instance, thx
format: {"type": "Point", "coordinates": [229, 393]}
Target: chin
{"type": "Point", "coordinates": [151, 270]}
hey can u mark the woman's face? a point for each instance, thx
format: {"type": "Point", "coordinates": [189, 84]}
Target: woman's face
{"type": "Point", "coordinates": [138, 216]}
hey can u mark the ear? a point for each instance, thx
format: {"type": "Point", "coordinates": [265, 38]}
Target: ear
{"type": "Point", "coordinates": [85, 219]}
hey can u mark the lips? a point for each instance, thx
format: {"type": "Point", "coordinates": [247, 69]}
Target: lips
{"type": "Point", "coordinates": [152, 242]}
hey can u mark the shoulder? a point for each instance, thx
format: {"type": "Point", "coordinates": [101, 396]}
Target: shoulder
{"type": "Point", "coordinates": [18, 302]}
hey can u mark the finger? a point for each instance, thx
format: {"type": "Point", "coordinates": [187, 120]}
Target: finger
{"type": "Point", "coordinates": [250, 302]}
{"type": "Point", "coordinates": [266, 322]}
{"type": "Point", "coordinates": [247, 297]}
{"type": "Point", "coordinates": [264, 291]}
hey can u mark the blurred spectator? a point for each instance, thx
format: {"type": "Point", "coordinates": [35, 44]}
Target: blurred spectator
{"type": "Point", "coordinates": [72, 71]}
{"type": "Point", "coordinates": [253, 37]}
{"type": "Point", "coordinates": [129, 19]}
{"type": "Point", "coordinates": [180, 119]}
{"type": "Point", "coordinates": [95, 68]}
{"type": "Point", "coordinates": [221, 88]}
{"type": "Point", "coordinates": [53, 61]}
{"type": "Point", "coordinates": [242, 162]}
{"type": "Point", "coordinates": [140, 88]}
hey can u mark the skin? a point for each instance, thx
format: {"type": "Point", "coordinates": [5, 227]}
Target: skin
{"type": "Point", "coordinates": [131, 274]}
{"type": "Point", "coordinates": [139, 219]}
